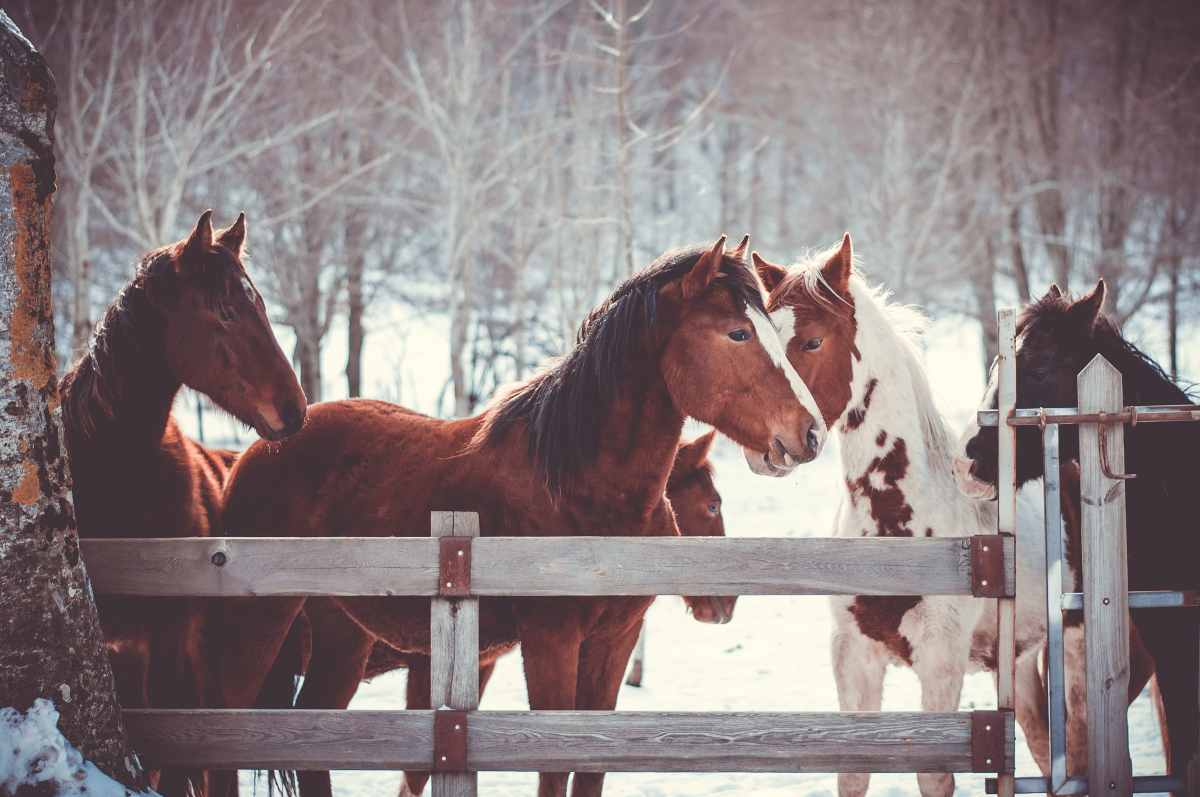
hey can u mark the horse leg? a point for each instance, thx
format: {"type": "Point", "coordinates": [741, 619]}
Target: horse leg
{"type": "Point", "coordinates": [1031, 709]}
{"type": "Point", "coordinates": [418, 697]}
{"type": "Point", "coordinates": [1172, 637]}
{"type": "Point", "coordinates": [247, 635]}
{"type": "Point", "coordinates": [339, 658]}
{"type": "Point", "coordinates": [602, 662]}
{"type": "Point", "coordinates": [858, 669]}
{"type": "Point", "coordinates": [175, 679]}
{"type": "Point", "coordinates": [638, 669]}
{"type": "Point", "coordinates": [550, 651]}
{"type": "Point", "coordinates": [940, 665]}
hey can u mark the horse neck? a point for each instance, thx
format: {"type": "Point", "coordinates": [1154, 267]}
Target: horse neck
{"type": "Point", "coordinates": [1153, 447]}
{"type": "Point", "coordinates": [638, 446]}
{"type": "Point", "coordinates": [890, 389]}
{"type": "Point", "coordinates": [122, 390]}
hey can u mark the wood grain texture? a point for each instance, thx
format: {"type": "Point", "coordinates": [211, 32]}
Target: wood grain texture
{"type": "Point", "coordinates": [454, 648]}
{"type": "Point", "coordinates": [1105, 583]}
{"type": "Point", "coordinates": [263, 566]}
{"type": "Point", "coordinates": [538, 566]}
{"type": "Point", "coordinates": [588, 741]}
{"type": "Point", "coordinates": [1006, 608]}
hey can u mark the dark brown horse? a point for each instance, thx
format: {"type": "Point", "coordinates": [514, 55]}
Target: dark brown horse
{"type": "Point", "coordinates": [1057, 337]}
{"type": "Point", "coordinates": [584, 448]}
{"type": "Point", "coordinates": [190, 316]}
{"type": "Point", "coordinates": [340, 648]}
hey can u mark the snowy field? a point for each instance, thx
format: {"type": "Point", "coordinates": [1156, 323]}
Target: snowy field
{"type": "Point", "coordinates": [774, 655]}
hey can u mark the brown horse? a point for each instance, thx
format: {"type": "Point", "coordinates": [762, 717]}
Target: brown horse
{"type": "Point", "coordinates": [340, 647]}
{"type": "Point", "coordinates": [190, 316]}
{"type": "Point", "coordinates": [585, 448]}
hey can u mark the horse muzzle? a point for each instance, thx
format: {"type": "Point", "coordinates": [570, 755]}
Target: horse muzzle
{"type": "Point", "coordinates": [714, 609]}
{"type": "Point", "coordinates": [971, 485]}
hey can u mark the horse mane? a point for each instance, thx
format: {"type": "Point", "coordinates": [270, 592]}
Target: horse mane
{"type": "Point", "coordinates": [564, 407]}
{"type": "Point", "coordinates": [97, 385]}
{"type": "Point", "coordinates": [1151, 384]}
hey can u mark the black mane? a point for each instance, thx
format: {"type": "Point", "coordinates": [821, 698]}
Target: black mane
{"type": "Point", "coordinates": [564, 407]}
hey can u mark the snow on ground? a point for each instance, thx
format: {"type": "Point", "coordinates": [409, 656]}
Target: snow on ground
{"type": "Point", "coordinates": [33, 753]}
{"type": "Point", "coordinates": [774, 656]}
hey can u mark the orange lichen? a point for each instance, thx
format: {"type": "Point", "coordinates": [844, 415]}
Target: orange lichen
{"type": "Point", "coordinates": [29, 490]}
{"type": "Point", "coordinates": [32, 359]}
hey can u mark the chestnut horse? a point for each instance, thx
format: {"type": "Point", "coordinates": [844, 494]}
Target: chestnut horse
{"type": "Point", "coordinates": [341, 646]}
{"type": "Point", "coordinates": [1056, 338]}
{"type": "Point", "coordinates": [190, 316]}
{"type": "Point", "coordinates": [855, 350]}
{"type": "Point", "coordinates": [584, 448]}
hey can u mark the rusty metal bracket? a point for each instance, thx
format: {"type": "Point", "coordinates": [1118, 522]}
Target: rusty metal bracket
{"type": "Point", "coordinates": [987, 566]}
{"type": "Point", "coordinates": [1105, 468]}
{"type": "Point", "coordinates": [454, 567]}
{"type": "Point", "coordinates": [987, 741]}
{"type": "Point", "coordinates": [449, 740]}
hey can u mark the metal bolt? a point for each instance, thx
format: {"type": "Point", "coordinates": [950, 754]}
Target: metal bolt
{"type": "Point", "coordinates": [219, 559]}
{"type": "Point", "coordinates": [1112, 785]}
{"type": "Point", "coordinates": [987, 727]}
{"type": "Point", "coordinates": [988, 762]}
{"type": "Point", "coordinates": [984, 582]}
{"type": "Point", "coordinates": [449, 584]}
{"type": "Point", "coordinates": [460, 553]}
{"type": "Point", "coordinates": [443, 758]}
{"type": "Point", "coordinates": [1105, 601]}
{"type": "Point", "coordinates": [458, 727]}
{"type": "Point", "coordinates": [985, 549]}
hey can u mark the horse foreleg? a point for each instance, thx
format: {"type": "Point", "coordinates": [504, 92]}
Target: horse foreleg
{"type": "Point", "coordinates": [1172, 637]}
{"type": "Point", "coordinates": [638, 669]}
{"type": "Point", "coordinates": [602, 663]}
{"type": "Point", "coordinates": [340, 648]}
{"type": "Point", "coordinates": [175, 679]}
{"type": "Point", "coordinates": [418, 697]}
{"type": "Point", "coordinates": [940, 665]}
{"type": "Point", "coordinates": [246, 635]}
{"type": "Point", "coordinates": [550, 650]}
{"type": "Point", "coordinates": [858, 669]}
{"type": "Point", "coordinates": [1031, 709]}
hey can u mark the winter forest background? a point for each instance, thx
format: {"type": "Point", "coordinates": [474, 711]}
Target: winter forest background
{"type": "Point", "coordinates": [438, 192]}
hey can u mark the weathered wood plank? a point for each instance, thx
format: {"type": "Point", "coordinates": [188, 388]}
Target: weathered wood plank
{"type": "Point", "coordinates": [250, 566]}
{"type": "Point", "coordinates": [536, 566]}
{"type": "Point", "coordinates": [1105, 583]}
{"type": "Point", "coordinates": [1006, 608]}
{"type": "Point", "coordinates": [606, 741]}
{"type": "Point", "coordinates": [454, 648]}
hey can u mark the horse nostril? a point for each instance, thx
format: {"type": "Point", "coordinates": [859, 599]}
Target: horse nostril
{"type": "Point", "coordinates": [293, 417]}
{"type": "Point", "coordinates": [973, 448]}
{"type": "Point", "coordinates": [811, 440]}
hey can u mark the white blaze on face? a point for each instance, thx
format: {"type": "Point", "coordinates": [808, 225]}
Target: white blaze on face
{"type": "Point", "coordinates": [769, 336]}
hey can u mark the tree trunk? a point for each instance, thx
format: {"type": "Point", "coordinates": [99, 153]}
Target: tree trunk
{"type": "Point", "coordinates": [984, 287]}
{"type": "Point", "coordinates": [52, 646]}
{"type": "Point", "coordinates": [355, 307]}
{"type": "Point", "coordinates": [1173, 313]}
{"type": "Point", "coordinates": [307, 358]}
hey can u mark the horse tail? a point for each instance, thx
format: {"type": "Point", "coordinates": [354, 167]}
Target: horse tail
{"type": "Point", "coordinates": [280, 690]}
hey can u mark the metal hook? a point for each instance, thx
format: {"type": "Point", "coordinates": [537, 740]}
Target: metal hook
{"type": "Point", "coordinates": [1042, 418]}
{"type": "Point", "coordinates": [1105, 468]}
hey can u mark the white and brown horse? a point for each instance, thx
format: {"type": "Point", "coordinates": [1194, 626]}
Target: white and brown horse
{"type": "Point", "coordinates": [856, 351]}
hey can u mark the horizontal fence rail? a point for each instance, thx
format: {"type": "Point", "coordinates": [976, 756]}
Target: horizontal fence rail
{"type": "Point", "coordinates": [1165, 413]}
{"type": "Point", "coordinates": [541, 566]}
{"type": "Point", "coordinates": [583, 741]}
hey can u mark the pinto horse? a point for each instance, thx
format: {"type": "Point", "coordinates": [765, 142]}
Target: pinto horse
{"type": "Point", "coordinates": [855, 350]}
{"type": "Point", "coordinates": [190, 316]}
{"type": "Point", "coordinates": [339, 645]}
{"type": "Point", "coordinates": [1056, 338]}
{"type": "Point", "coordinates": [584, 448]}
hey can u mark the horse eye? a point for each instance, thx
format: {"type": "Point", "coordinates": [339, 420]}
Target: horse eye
{"type": "Point", "coordinates": [714, 508]}
{"type": "Point", "coordinates": [812, 344]}
{"type": "Point", "coordinates": [740, 335]}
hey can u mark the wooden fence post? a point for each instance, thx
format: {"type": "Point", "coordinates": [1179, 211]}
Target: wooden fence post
{"type": "Point", "coordinates": [1105, 581]}
{"type": "Point", "coordinates": [1006, 608]}
{"type": "Point", "coordinates": [454, 649]}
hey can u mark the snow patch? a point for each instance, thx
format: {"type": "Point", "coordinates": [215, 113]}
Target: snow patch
{"type": "Point", "coordinates": [32, 752]}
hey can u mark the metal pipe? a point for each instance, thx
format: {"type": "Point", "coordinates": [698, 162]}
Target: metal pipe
{"type": "Point", "coordinates": [1141, 785]}
{"type": "Point", "coordinates": [1143, 599]}
{"type": "Point", "coordinates": [1056, 691]}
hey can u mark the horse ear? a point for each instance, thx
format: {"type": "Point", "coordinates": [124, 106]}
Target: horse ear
{"type": "Point", "coordinates": [201, 238]}
{"type": "Point", "coordinates": [837, 268]}
{"type": "Point", "coordinates": [740, 251]}
{"type": "Point", "coordinates": [233, 237]}
{"type": "Point", "coordinates": [692, 455]}
{"type": "Point", "coordinates": [1055, 292]}
{"type": "Point", "coordinates": [1087, 308]}
{"type": "Point", "coordinates": [770, 274]}
{"type": "Point", "coordinates": [704, 271]}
